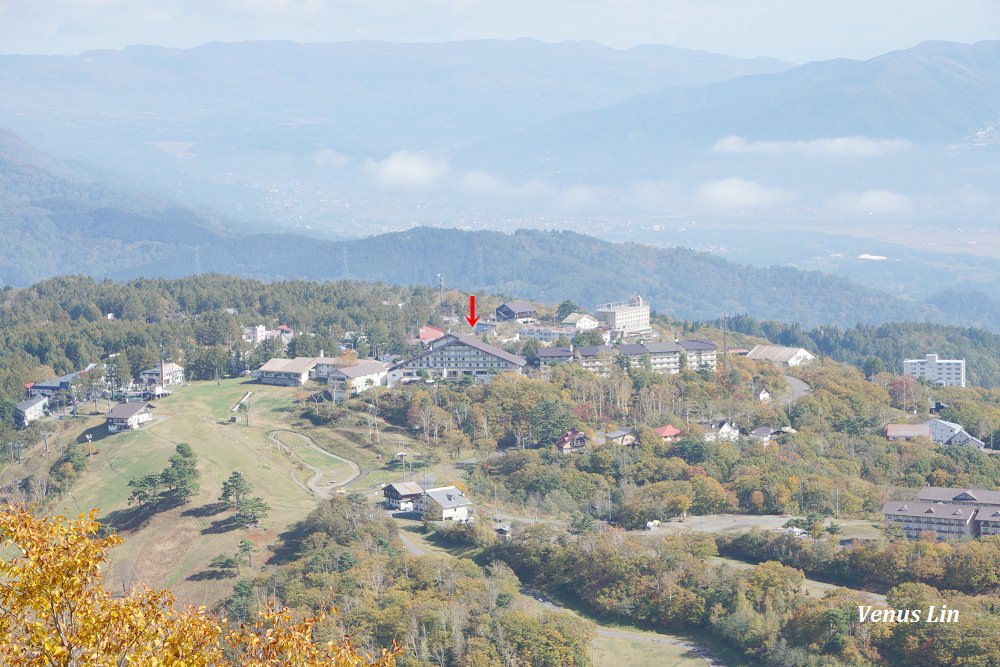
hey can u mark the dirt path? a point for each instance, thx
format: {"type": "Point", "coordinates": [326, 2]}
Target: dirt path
{"type": "Point", "coordinates": [411, 544]}
{"type": "Point", "coordinates": [312, 485]}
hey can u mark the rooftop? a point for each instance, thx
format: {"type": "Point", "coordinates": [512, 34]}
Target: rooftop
{"type": "Point", "coordinates": [363, 368]}
{"type": "Point", "coordinates": [667, 431]}
{"type": "Point", "coordinates": [695, 345]}
{"type": "Point", "coordinates": [126, 410]}
{"type": "Point", "coordinates": [518, 306]}
{"type": "Point", "coordinates": [908, 431]}
{"type": "Point", "coordinates": [472, 341]}
{"type": "Point", "coordinates": [406, 488]}
{"type": "Point", "coordinates": [660, 348]}
{"type": "Point", "coordinates": [168, 367]}
{"type": "Point", "coordinates": [775, 353]}
{"type": "Point", "coordinates": [296, 365]}
{"type": "Point", "coordinates": [939, 510]}
{"type": "Point", "coordinates": [951, 494]}
{"type": "Point", "coordinates": [573, 318]}
{"type": "Point", "coordinates": [448, 497]}
{"type": "Point", "coordinates": [594, 350]}
{"type": "Point", "coordinates": [30, 403]}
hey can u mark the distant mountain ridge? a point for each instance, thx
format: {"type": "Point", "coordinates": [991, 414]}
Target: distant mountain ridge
{"type": "Point", "coordinates": [58, 222]}
{"type": "Point", "coordinates": [360, 98]}
{"type": "Point", "coordinates": [936, 92]}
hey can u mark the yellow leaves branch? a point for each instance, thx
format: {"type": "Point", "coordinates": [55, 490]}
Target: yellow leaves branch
{"type": "Point", "coordinates": [54, 611]}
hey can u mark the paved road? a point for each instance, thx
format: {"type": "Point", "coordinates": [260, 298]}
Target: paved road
{"type": "Point", "coordinates": [325, 490]}
{"type": "Point", "coordinates": [798, 387]}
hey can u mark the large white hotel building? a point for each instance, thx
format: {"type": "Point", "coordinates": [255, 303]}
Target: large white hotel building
{"type": "Point", "coordinates": [944, 372]}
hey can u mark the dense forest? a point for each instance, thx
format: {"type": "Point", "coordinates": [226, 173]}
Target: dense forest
{"type": "Point", "coordinates": [439, 610]}
{"type": "Point", "coordinates": [61, 326]}
{"type": "Point", "coordinates": [883, 347]}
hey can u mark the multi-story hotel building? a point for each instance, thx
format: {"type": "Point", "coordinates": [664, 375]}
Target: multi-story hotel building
{"type": "Point", "coordinates": [949, 512]}
{"type": "Point", "coordinates": [943, 372]}
{"type": "Point", "coordinates": [625, 317]}
{"type": "Point", "coordinates": [454, 357]}
{"type": "Point", "coordinates": [948, 520]}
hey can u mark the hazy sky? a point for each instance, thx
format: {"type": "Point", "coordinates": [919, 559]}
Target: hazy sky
{"type": "Point", "coordinates": [796, 30]}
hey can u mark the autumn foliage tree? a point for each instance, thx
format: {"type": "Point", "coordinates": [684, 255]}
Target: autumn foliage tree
{"type": "Point", "coordinates": [54, 611]}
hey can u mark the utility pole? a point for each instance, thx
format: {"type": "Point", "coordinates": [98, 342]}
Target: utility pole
{"type": "Point", "coordinates": [725, 341]}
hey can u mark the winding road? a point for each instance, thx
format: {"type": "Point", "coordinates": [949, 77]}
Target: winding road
{"type": "Point", "coordinates": [312, 485]}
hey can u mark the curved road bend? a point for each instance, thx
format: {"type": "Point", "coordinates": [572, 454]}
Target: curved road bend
{"type": "Point", "coordinates": [326, 490]}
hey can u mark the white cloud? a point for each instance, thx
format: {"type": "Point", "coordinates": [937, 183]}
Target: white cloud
{"type": "Point", "coordinates": [327, 158]}
{"type": "Point", "coordinates": [404, 170]}
{"type": "Point", "coordinates": [739, 194]}
{"type": "Point", "coordinates": [841, 147]}
{"type": "Point", "coordinates": [882, 203]}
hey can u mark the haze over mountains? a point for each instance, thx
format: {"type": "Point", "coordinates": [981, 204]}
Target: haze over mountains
{"type": "Point", "coordinates": [881, 170]}
{"type": "Point", "coordinates": [331, 136]}
{"type": "Point", "coordinates": [59, 218]}
{"type": "Point", "coordinates": [250, 118]}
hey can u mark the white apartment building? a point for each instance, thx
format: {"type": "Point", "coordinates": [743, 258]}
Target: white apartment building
{"type": "Point", "coordinates": [942, 372]}
{"type": "Point", "coordinates": [625, 317]}
{"type": "Point", "coordinates": [700, 354]}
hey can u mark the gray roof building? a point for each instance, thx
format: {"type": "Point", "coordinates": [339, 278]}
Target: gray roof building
{"type": "Point", "coordinates": [940, 494]}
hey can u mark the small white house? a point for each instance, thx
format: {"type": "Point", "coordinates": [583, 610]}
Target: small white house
{"type": "Point", "coordinates": [128, 416]}
{"type": "Point", "coordinates": [30, 410]}
{"type": "Point", "coordinates": [721, 430]}
{"type": "Point", "coordinates": [164, 375]}
{"type": "Point", "coordinates": [445, 503]}
{"type": "Point", "coordinates": [949, 433]}
{"type": "Point", "coordinates": [781, 356]}
{"type": "Point", "coordinates": [580, 321]}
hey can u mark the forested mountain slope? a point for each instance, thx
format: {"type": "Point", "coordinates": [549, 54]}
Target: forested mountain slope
{"type": "Point", "coordinates": [59, 218]}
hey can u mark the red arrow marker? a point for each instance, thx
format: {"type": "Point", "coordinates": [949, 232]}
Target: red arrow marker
{"type": "Point", "coordinates": [472, 318]}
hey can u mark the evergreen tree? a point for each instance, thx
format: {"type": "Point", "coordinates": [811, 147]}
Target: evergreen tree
{"type": "Point", "coordinates": [235, 489]}
{"type": "Point", "coordinates": [181, 477]}
{"type": "Point", "coordinates": [251, 511]}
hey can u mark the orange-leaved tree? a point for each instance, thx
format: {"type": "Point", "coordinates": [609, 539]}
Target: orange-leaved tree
{"type": "Point", "coordinates": [54, 611]}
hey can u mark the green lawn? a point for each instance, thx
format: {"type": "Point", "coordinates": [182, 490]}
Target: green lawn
{"type": "Point", "coordinates": [173, 548]}
{"type": "Point", "coordinates": [620, 652]}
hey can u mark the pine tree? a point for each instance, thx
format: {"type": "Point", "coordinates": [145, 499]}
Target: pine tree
{"type": "Point", "coordinates": [235, 489]}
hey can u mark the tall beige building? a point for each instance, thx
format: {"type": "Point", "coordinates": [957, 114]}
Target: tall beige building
{"type": "Point", "coordinates": [625, 317]}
